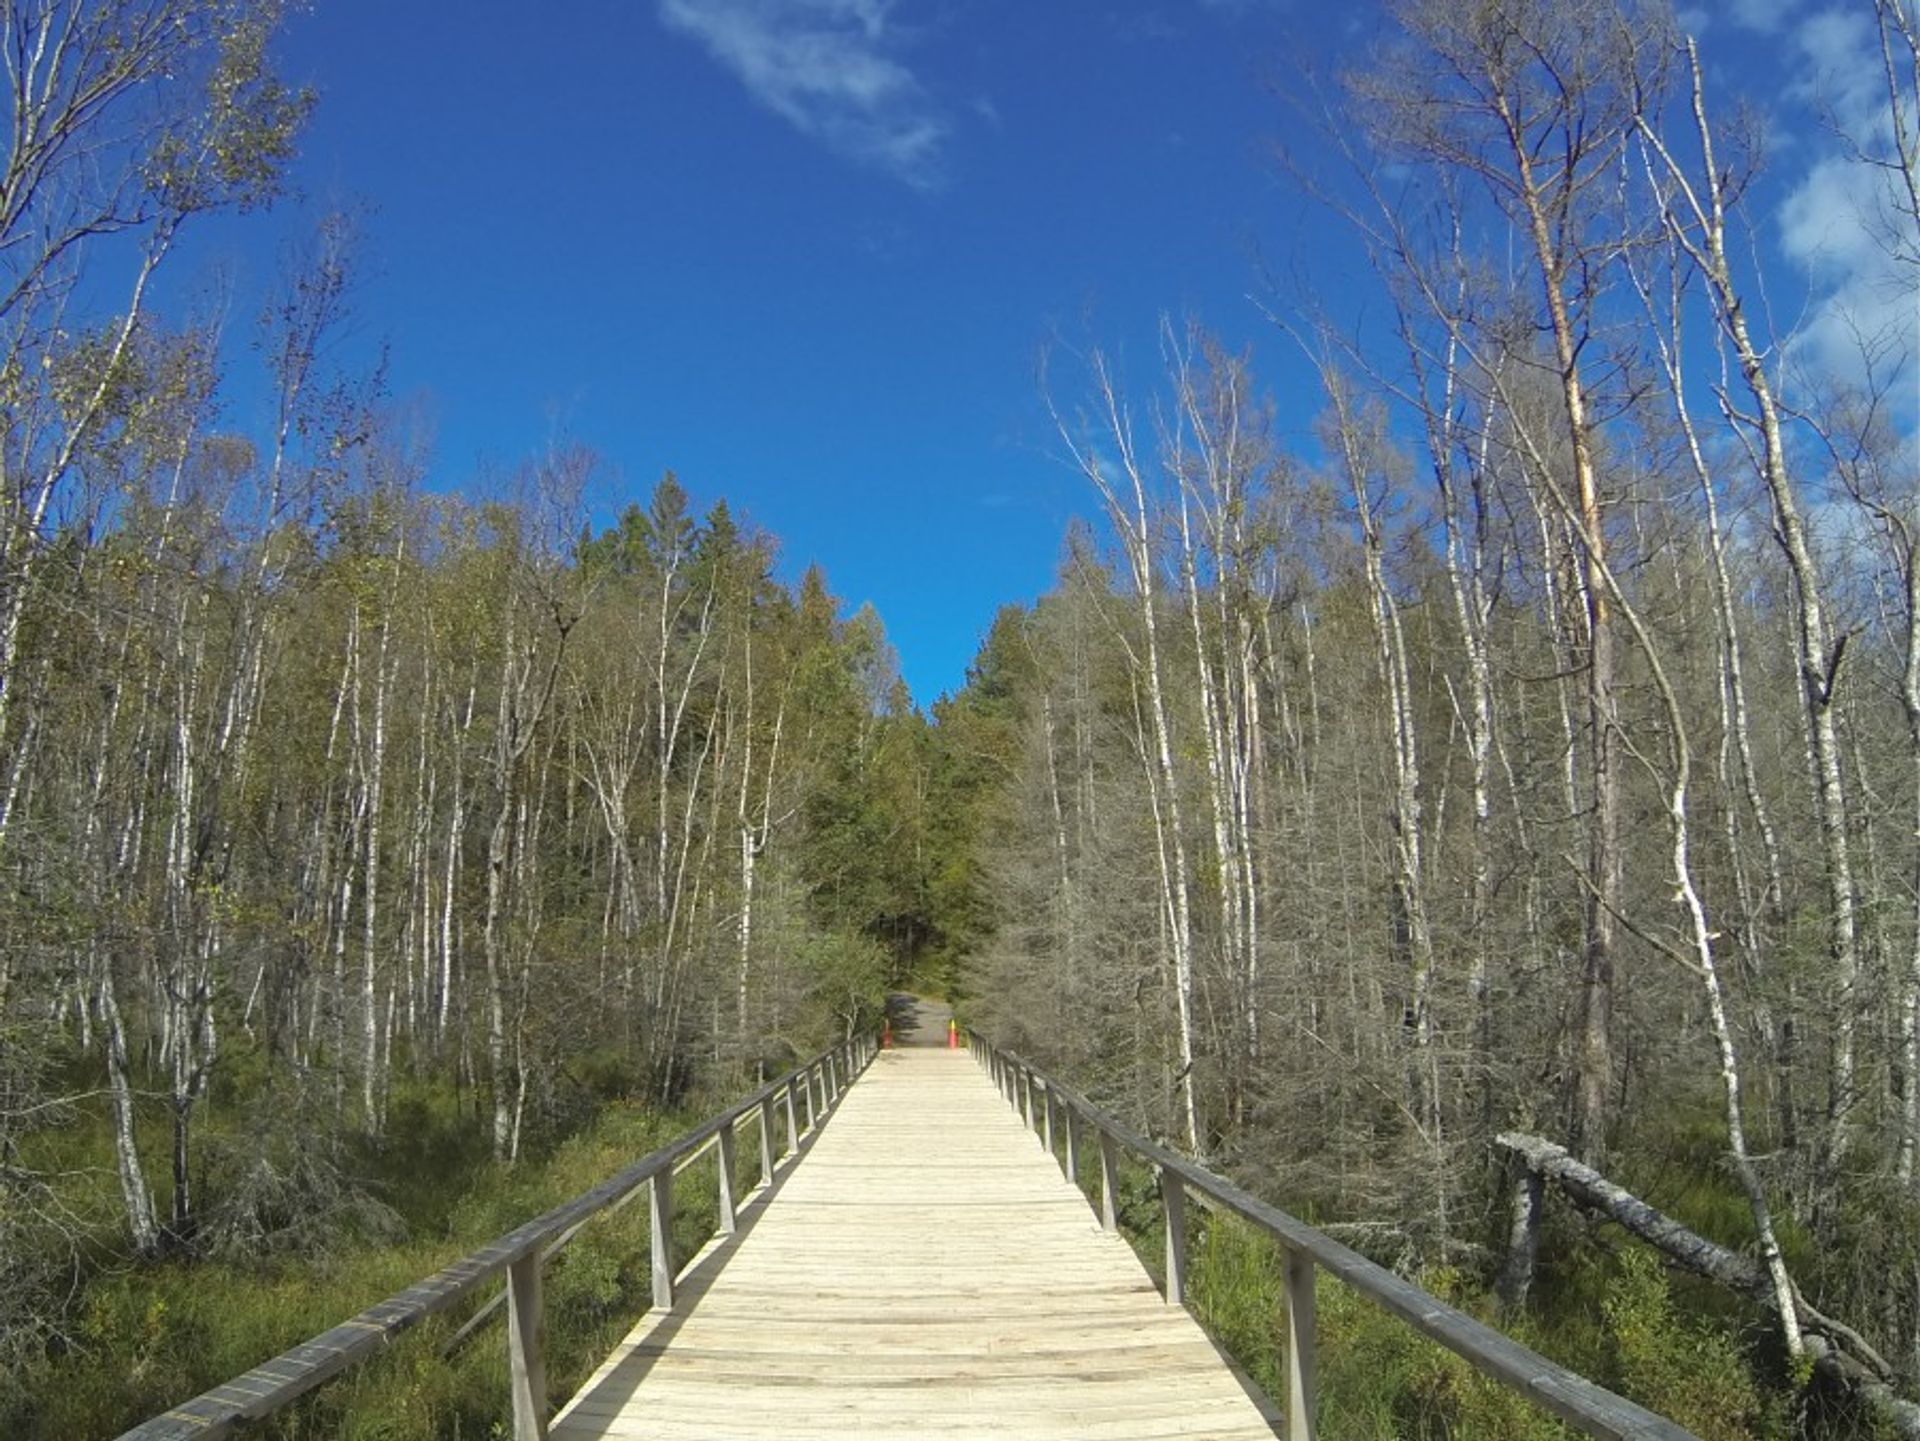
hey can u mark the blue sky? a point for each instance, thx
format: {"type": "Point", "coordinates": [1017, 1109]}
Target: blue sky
{"type": "Point", "coordinates": [807, 253]}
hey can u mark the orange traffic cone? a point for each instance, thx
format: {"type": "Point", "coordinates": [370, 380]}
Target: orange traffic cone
{"type": "Point", "coordinates": [953, 1034]}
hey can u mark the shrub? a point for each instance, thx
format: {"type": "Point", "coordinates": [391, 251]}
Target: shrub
{"type": "Point", "coordinates": [1688, 1370]}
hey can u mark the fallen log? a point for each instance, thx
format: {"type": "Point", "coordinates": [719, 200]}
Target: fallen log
{"type": "Point", "coordinates": [1838, 1351]}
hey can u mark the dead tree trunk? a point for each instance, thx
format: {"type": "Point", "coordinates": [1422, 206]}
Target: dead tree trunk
{"type": "Point", "coordinates": [1838, 1350]}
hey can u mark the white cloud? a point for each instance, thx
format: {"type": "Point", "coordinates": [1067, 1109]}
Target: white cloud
{"type": "Point", "coordinates": [829, 68]}
{"type": "Point", "coordinates": [1841, 222]}
{"type": "Point", "coordinates": [1765, 16]}
{"type": "Point", "coordinates": [1844, 73]}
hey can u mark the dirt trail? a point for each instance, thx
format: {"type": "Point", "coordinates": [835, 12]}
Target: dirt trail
{"type": "Point", "coordinates": [918, 1020]}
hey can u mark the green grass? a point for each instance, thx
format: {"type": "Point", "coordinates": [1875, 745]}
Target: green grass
{"type": "Point", "coordinates": [148, 1336]}
{"type": "Point", "coordinates": [1379, 1380]}
{"type": "Point", "coordinates": [1606, 1309]}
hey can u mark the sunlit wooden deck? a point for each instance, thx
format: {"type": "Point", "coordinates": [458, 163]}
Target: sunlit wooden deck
{"type": "Point", "coordinates": [923, 1270]}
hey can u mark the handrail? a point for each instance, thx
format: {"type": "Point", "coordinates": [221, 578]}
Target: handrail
{"type": "Point", "coordinates": [1582, 1404]}
{"type": "Point", "coordinates": [521, 1253]}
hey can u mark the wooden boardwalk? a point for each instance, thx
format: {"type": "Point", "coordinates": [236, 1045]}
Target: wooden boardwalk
{"type": "Point", "coordinates": [923, 1271]}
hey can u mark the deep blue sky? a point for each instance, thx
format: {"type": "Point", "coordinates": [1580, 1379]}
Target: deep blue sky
{"type": "Point", "coordinates": [807, 253]}
{"type": "Point", "coordinates": [590, 217]}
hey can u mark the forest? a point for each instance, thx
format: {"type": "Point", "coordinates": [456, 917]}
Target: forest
{"type": "Point", "coordinates": [1523, 767]}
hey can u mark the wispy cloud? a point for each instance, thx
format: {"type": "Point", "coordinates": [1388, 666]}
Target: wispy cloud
{"type": "Point", "coordinates": [1765, 16]}
{"type": "Point", "coordinates": [1840, 222]}
{"type": "Point", "coordinates": [829, 68]}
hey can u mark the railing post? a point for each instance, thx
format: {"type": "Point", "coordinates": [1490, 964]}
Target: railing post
{"type": "Point", "coordinates": [811, 1114]}
{"type": "Point", "coordinates": [1109, 1184]}
{"type": "Point", "coordinates": [660, 1220]}
{"type": "Point", "coordinates": [1301, 1361]}
{"type": "Point", "coordinates": [729, 1213]}
{"type": "Point", "coordinates": [793, 1114]}
{"type": "Point", "coordinates": [1026, 1097]}
{"type": "Point", "coordinates": [1173, 1197]}
{"type": "Point", "coordinates": [1046, 1120]}
{"type": "Point", "coordinates": [833, 1078]}
{"type": "Point", "coordinates": [766, 1140]}
{"type": "Point", "coordinates": [526, 1358]}
{"type": "Point", "coordinates": [1073, 1145]}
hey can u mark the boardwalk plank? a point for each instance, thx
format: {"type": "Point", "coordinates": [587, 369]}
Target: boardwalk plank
{"type": "Point", "coordinates": [924, 1272]}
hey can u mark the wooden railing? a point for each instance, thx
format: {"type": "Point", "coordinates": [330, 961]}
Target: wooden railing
{"type": "Point", "coordinates": [1049, 1106]}
{"type": "Point", "coordinates": [808, 1091]}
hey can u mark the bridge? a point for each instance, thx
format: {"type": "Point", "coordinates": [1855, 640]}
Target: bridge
{"type": "Point", "coordinates": [918, 1257]}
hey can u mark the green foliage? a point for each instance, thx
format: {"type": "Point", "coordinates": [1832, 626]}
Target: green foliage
{"type": "Point", "coordinates": [1380, 1380]}
{"type": "Point", "coordinates": [847, 978]}
{"type": "Point", "coordinates": [147, 1336]}
{"type": "Point", "coordinates": [1686, 1369]}
{"type": "Point", "coordinates": [235, 148]}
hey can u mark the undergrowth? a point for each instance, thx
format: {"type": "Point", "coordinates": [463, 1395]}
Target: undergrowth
{"type": "Point", "coordinates": [147, 1336]}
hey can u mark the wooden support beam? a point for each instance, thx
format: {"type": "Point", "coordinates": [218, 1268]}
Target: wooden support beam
{"type": "Point", "coordinates": [766, 1140]}
{"type": "Point", "coordinates": [1046, 1120]}
{"type": "Point", "coordinates": [1109, 1183]}
{"type": "Point", "coordinates": [1073, 1146]}
{"type": "Point", "coordinates": [660, 1220]}
{"type": "Point", "coordinates": [526, 1355]}
{"type": "Point", "coordinates": [723, 1153]}
{"type": "Point", "coordinates": [793, 1114]}
{"type": "Point", "coordinates": [1173, 1197]}
{"type": "Point", "coordinates": [1301, 1367]}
